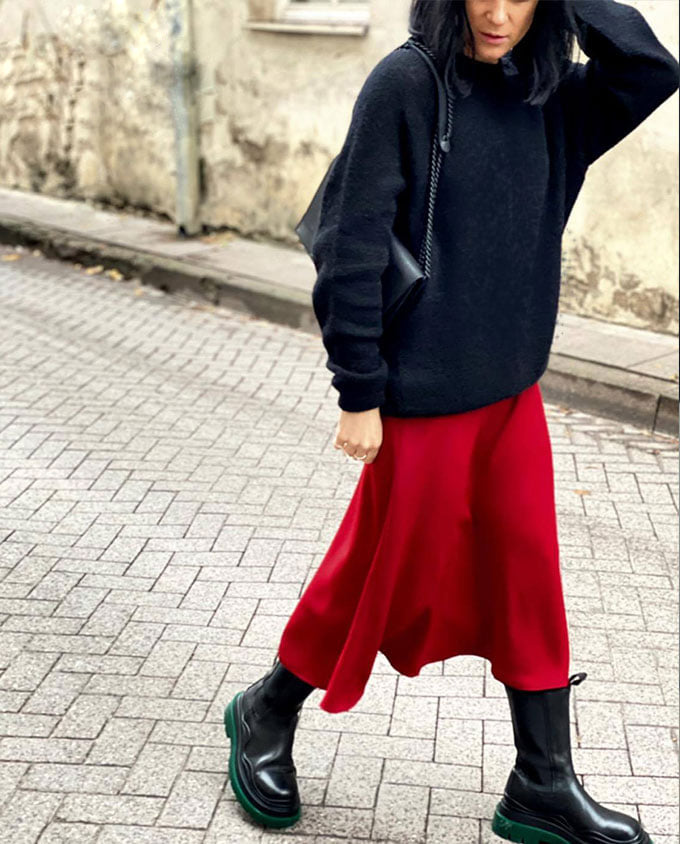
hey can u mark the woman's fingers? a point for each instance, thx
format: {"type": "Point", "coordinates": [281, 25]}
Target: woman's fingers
{"type": "Point", "coordinates": [366, 455]}
{"type": "Point", "coordinates": [359, 434]}
{"type": "Point", "coordinates": [358, 452]}
{"type": "Point", "coordinates": [360, 438]}
{"type": "Point", "coordinates": [371, 454]}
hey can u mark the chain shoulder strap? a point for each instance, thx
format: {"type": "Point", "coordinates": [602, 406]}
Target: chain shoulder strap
{"type": "Point", "coordinates": [439, 146]}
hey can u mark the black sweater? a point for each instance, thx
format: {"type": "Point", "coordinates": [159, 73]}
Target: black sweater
{"type": "Point", "coordinates": [482, 329]}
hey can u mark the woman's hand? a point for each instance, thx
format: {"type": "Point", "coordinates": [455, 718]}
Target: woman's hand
{"type": "Point", "coordinates": [360, 434]}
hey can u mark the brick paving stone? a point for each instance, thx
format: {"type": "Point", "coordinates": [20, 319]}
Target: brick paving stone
{"type": "Point", "coordinates": [497, 760]}
{"type": "Point", "coordinates": [97, 779]}
{"type": "Point", "coordinates": [354, 781]}
{"type": "Point", "coordinates": [199, 680]}
{"type": "Point", "coordinates": [26, 814]}
{"type": "Point", "coordinates": [191, 734]}
{"type": "Point", "coordinates": [167, 659]}
{"type": "Point", "coordinates": [401, 812]}
{"type": "Point", "coordinates": [104, 664]}
{"type": "Point", "coordinates": [107, 620]}
{"type": "Point", "coordinates": [59, 832]}
{"type": "Point", "coordinates": [458, 740]}
{"type": "Point", "coordinates": [19, 724]}
{"type": "Point", "coordinates": [443, 830]}
{"type": "Point", "coordinates": [327, 820]}
{"type": "Point", "coordinates": [37, 624]}
{"type": "Point", "coordinates": [149, 564]}
{"type": "Point", "coordinates": [121, 685]}
{"type": "Point", "coordinates": [27, 670]}
{"type": "Point", "coordinates": [659, 790]}
{"type": "Point", "coordinates": [652, 751]}
{"type": "Point", "coordinates": [650, 715]}
{"type": "Point", "coordinates": [121, 834]}
{"type": "Point", "coordinates": [110, 808]}
{"type": "Point", "coordinates": [462, 775]}
{"type": "Point", "coordinates": [596, 761]}
{"type": "Point", "coordinates": [87, 716]}
{"type": "Point", "coordinates": [56, 693]}
{"type": "Point", "coordinates": [137, 639]}
{"type": "Point", "coordinates": [120, 741]}
{"type": "Point", "coordinates": [81, 602]}
{"type": "Point", "coordinates": [206, 759]}
{"type": "Point", "coordinates": [601, 724]}
{"type": "Point", "coordinates": [192, 801]}
{"type": "Point", "coordinates": [386, 747]}
{"type": "Point", "coordinates": [447, 801]}
{"type": "Point", "coordinates": [162, 709]}
{"type": "Point", "coordinates": [169, 615]}
{"type": "Point", "coordinates": [156, 769]}
{"type": "Point", "coordinates": [10, 774]}
{"type": "Point", "coordinates": [349, 722]}
{"type": "Point", "coordinates": [159, 525]}
{"type": "Point", "coordinates": [229, 824]}
{"type": "Point", "coordinates": [43, 749]}
{"type": "Point", "coordinates": [176, 579]}
{"type": "Point", "coordinates": [216, 637]}
{"type": "Point", "coordinates": [660, 820]}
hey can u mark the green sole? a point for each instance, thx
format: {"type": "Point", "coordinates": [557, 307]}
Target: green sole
{"type": "Point", "coordinates": [269, 820]}
{"type": "Point", "coordinates": [523, 833]}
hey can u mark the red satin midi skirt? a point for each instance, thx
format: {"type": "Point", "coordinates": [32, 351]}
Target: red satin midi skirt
{"type": "Point", "coordinates": [448, 546]}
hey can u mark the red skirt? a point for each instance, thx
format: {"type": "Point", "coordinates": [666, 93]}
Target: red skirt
{"type": "Point", "coordinates": [448, 546]}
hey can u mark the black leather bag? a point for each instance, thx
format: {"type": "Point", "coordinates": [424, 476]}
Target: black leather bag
{"type": "Point", "coordinates": [404, 276]}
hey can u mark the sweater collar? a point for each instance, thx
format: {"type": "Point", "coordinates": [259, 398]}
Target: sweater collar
{"type": "Point", "coordinates": [477, 69]}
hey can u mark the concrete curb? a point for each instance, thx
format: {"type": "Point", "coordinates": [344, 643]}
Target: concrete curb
{"type": "Point", "coordinates": [610, 391]}
{"type": "Point", "coordinates": [640, 400]}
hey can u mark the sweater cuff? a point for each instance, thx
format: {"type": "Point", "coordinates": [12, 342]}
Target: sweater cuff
{"type": "Point", "coordinates": [362, 392]}
{"type": "Point", "coordinates": [357, 404]}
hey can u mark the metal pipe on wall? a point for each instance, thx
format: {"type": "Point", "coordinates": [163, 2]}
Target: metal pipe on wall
{"type": "Point", "coordinates": [183, 102]}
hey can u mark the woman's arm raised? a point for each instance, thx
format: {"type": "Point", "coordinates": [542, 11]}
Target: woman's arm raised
{"type": "Point", "coordinates": [628, 75]}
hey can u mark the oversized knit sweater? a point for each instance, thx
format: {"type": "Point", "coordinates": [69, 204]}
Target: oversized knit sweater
{"type": "Point", "coordinates": [483, 326]}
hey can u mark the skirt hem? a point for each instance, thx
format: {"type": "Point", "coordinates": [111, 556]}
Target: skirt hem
{"type": "Point", "coordinates": [515, 682]}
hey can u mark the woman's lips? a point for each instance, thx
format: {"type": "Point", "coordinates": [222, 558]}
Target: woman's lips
{"type": "Point", "coordinates": [493, 39]}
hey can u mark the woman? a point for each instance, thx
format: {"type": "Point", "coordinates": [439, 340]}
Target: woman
{"type": "Point", "coordinates": [449, 544]}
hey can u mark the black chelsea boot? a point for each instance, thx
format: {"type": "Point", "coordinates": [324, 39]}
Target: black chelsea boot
{"type": "Point", "coordinates": [261, 722]}
{"type": "Point", "coordinates": [544, 802]}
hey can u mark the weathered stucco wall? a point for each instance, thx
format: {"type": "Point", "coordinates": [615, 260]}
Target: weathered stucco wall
{"type": "Point", "coordinates": [86, 112]}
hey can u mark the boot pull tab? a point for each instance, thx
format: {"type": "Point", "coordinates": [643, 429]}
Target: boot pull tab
{"type": "Point", "coordinates": [575, 679]}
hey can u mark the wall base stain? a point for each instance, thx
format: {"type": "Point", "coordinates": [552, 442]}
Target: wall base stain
{"type": "Point", "coordinates": [593, 287]}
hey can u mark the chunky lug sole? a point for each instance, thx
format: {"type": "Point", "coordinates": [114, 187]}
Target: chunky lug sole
{"type": "Point", "coordinates": [231, 714]}
{"type": "Point", "coordinates": [523, 832]}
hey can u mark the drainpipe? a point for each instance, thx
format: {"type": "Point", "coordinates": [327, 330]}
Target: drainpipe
{"type": "Point", "coordinates": [183, 99]}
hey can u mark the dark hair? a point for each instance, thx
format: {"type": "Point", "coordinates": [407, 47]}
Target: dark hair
{"type": "Point", "coordinates": [542, 56]}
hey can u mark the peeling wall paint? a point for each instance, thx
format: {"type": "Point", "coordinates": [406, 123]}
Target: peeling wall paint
{"type": "Point", "coordinates": [85, 112]}
{"type": "Point", "coordinates": [84, 109]}
{"type": "Point", "coordinates": [593, 287]}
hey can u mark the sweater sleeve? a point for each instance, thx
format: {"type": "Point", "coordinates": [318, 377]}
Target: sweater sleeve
{"type": "Point", "coordinates": [629, 73]}
{"type": "Point", "coordinates": [352, 245]}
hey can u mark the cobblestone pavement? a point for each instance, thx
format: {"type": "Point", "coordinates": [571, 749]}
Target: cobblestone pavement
{"type": "Point", "coordinates": [168, 485]}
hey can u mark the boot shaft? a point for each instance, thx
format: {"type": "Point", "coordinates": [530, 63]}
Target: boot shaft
{"type": "Point", "coordinates": [540, 723]}
{"type": "Point", "coordinates": [284, 691]}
